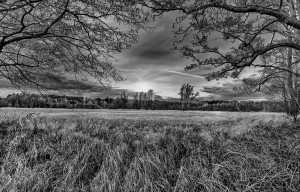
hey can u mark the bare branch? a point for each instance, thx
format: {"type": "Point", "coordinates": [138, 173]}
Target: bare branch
{"type": "Point", "coordinates": [65, 36]}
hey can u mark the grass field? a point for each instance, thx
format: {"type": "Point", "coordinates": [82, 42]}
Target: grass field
{"type": "Point", "coordinates": [186, 116]}
{"type": "Point", "coordinates": [123, 150]}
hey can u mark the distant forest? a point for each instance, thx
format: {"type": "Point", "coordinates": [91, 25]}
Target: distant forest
{"type": "Point", "coordinates": [139, 101]}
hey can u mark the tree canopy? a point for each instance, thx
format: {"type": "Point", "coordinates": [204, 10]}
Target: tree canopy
{"type": "Point", "coordinates": [43, 39]}
{"type": "Point", "coordinates": [249, 29]}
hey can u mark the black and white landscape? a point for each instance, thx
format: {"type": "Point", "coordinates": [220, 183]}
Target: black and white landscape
{"type": "Point", "coordinates": [149, 95]}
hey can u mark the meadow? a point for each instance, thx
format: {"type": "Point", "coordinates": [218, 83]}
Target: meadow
{"type": "Point", "coordinates": [123, 150]}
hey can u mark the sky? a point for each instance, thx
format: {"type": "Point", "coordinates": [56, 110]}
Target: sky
{"type": "Point", "coordinates": [152, 64]}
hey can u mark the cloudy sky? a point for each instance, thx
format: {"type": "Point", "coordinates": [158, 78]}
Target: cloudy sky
{"type": "Point", "coordinates": [151, 64]}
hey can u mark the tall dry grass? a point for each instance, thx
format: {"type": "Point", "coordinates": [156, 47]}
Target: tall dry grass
{"type": "Point", "coordinates": [86, 154]}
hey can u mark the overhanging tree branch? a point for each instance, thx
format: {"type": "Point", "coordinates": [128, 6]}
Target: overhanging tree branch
{"type": "Point", "coordinates": [250, 28]}
{"type": "Point", "coordinates": [65, 36]}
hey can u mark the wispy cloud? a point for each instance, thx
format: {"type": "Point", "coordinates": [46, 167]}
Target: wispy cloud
{"type": "Point", "coordinates": [180, 73]}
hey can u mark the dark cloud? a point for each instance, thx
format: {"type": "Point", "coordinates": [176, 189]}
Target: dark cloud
{"type": "Point", "coordinates": [226, 92]}
{"type": "Point", "coordinates": [58, 82]}
{"type": "Point", "coordinates": [62, 82]}
{"type": "Point", "coordinates": [155, 46]}
{"type": "Point", "coordinates": [87, 88]}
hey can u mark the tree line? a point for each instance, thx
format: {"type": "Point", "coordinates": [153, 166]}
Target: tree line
{"type": "Point", "coordinates": [138, 101]}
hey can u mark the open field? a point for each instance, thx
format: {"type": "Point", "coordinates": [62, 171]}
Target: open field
{"type": "Point", "coordinates": [122, 150]}
{"type": "Point", "coordinates": [187, 116]}
{"type": "Point", "coordinates": [237, 122]}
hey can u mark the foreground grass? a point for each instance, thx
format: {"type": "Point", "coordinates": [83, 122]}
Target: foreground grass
{"type": "Point", "coordinates": [86, 154]}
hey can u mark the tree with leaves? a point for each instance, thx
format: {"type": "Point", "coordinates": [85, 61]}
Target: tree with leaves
{"type": "Point", "coordinates": [150, 98]}
{"type": "Point", "coordinates": [187, 95]}
{"type": "Point", "coordinates": [124, 100]}
{"type": "Point", "coordinates": [40, 40]}
{"type": "Point", "coordinates": [135, 104]}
